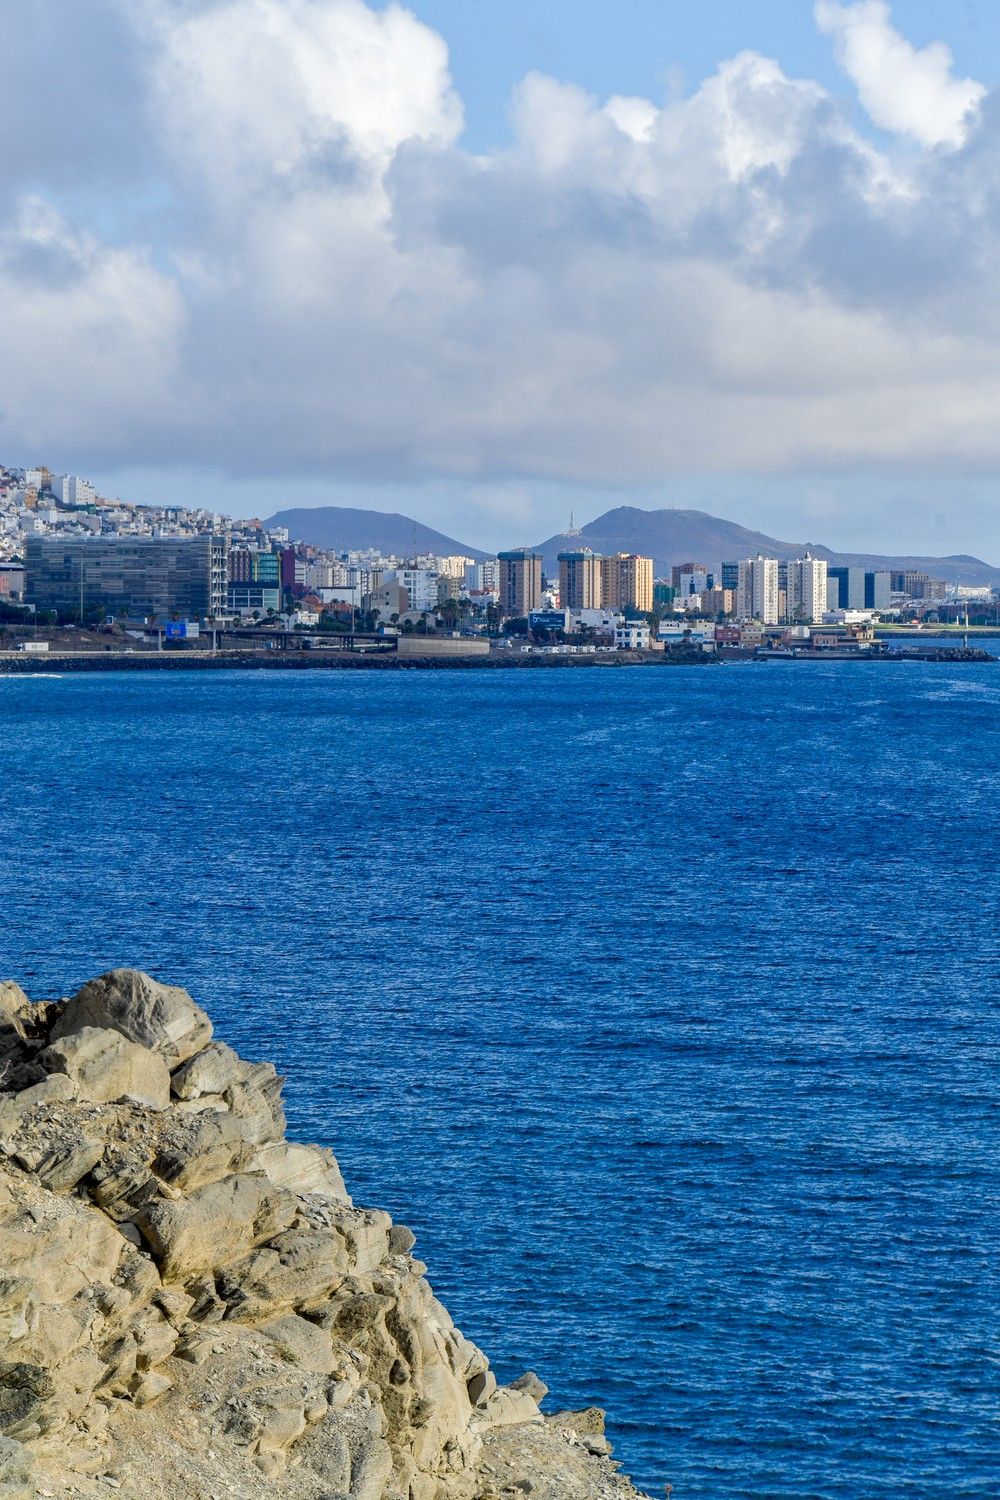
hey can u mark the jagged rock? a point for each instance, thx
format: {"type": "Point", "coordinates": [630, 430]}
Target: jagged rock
{"type": "Point", "coordinates": [188, 1295]}
{"type": "Point", "coordinates": [481, 1386]}
{"type": "Point", "coordinates": [60, 1164]}
{"type": "Point", "coordinates": [209, 1229]}
{"type": "Point", "coordinates": [210, 1072]}
{"type": "Point", "coordinates": [302, 1169]}
{"type": "Point", "coordinates": [302, 1343]}
{"type": "Point", "coordinates": [401, 1239]}
{"type": "Point", "coordinates": [149, 1387]}
{"type": "Point", "coordinates": [508, 1408]}
{"type": "Point", "coordinates": [161, 1017]}
{"type": "Point", "coordinates": [200, 1149]}
{"type": "Point", "coordinates": [104, 1066]}
{"type": "Point", "coordinates": [531, 1385]}
{"type": "Point", "coordinates": [13, 1001]}
{"type": "Point", "coordinates": [295, 1268]}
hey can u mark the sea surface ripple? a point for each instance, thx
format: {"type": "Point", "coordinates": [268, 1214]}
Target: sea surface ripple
{"type": "Point", "coordinates": [662, 1004]}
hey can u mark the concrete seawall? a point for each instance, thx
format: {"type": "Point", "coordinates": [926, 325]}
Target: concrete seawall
{"type": "Point", "coordinates": [170, 661]}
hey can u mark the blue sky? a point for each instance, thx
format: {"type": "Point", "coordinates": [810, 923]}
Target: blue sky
{"type": "Point", "coordinates": [487, 264]}
{"type": "Point", "coordinates": [651, 46]}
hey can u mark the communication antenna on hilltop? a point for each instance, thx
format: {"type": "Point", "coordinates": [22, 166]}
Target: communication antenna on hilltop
{"type": "Point", "coordinates": [571, 529]}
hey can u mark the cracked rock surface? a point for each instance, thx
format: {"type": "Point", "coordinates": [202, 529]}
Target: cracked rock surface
{"type": "Point", "coordinates": [192, 1307]}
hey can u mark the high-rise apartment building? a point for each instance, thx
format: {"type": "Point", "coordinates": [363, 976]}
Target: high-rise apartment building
{"type": "Point", "coordinates": [806, 590]}
{"type": "Point", "coordinates": [520, 582]}
{"type": "Point", "coordinates": [580, 580]}
{"type": "Point", "coordinates": [757, 593]}
{"type": "Point", "coordinates": [139, 576]}
{"type": "Point", "coordinates": [627, 582]}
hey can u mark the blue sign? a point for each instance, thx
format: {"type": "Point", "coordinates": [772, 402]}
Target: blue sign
{"type": "Point", "coordinates": [547, 619]}
{"type": "Point", "coordinates": [176, 630]}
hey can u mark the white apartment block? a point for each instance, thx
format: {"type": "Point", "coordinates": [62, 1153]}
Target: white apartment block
{"type": "Point", "coordinates": [807, 585]}
{"type": "Point", "coordinates": [421, 585]}
{"type": "Point", "coordinates": [757, 594]}
{"type": "Point", "coordinates": [70, 489]}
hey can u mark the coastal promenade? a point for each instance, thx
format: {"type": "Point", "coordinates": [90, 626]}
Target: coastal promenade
{"type": "Point", "coordinates": [15, 663]}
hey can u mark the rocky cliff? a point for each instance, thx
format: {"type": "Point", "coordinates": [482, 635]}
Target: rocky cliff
{"type": "Point", "coordinates": [191, 1305]}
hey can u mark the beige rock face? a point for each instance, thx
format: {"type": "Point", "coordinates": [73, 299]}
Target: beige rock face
{"type": "Point", "coordinates": [159, 1016]}
{"type": "Point", "coordinates": [191, 1306]}
{"type": "Point", "coordinates": [105, 1067]}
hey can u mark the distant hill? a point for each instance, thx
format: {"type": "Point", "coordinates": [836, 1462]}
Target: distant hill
{"type": "Point", "coordinates": [668, 536]}
{"type": "Point", "coordinates": [677, 536]}
{"type": "Point", "coordinates": [345, 530]}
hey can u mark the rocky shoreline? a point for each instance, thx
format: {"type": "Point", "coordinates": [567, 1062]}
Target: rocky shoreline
{"type": "Point", "coordinates": [192, 1308]}
{"type": "Point", "coordinates": [292, 661]}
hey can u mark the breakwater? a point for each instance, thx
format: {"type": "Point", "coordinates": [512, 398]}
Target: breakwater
{"type": "Point", "coordinates": [293, 661]}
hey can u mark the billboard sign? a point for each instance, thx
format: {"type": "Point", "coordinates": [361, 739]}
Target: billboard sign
{"type": "Point", "coordinates": [547, 619]}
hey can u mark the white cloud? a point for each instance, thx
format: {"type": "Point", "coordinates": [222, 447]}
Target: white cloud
{"type": "Point", "coordinates": [903, 88]}
{"type": "Point", "coordinates": [326, 283]}
{"type": "Point", "coordinates": [247, 91]}
{"type": "Point", "coordinates": [89, 338]}
{"type": "Point", "coordinates": [635, 117]}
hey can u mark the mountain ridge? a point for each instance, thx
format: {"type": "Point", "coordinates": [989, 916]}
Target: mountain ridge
{"type": "Point", "coordinates": [676, 536]}
{"type": "Point", "coordinates": [355, 530]}
{"type": "Point", "coordinates": [668, 536]}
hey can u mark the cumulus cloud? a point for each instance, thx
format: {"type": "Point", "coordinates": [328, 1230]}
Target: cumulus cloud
{"type": "Point", "coordinates": [245, 91]}
{"type": "Point", "coordinates": [307, 273]}
{"type": "Point", "coordinates": [903, 88]}
{"type": "Point", "coordinates": [88, 329]}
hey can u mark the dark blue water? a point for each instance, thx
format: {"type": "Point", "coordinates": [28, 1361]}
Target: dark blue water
{"type": "Point", "coordinates": [662, 1004]}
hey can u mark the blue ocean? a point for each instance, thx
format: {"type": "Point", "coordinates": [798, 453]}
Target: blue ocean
{"type": "Point", "coordinates": [661, 1004]}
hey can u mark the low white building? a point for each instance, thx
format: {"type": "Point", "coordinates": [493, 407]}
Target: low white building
{"type": "Point", "coordinates": [849, 617]}
{"type": "Point", "coordinates": [603, 621]}
{"type": "Point", "coordinates": [687, 602]}
{"type": "Point", "coordinates": [673, 634]}
{"type": "Point", "coordinates": [632, 635]}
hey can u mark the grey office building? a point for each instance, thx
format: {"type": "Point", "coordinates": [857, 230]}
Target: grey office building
{"type": "Point", "coordinates": [138, 576]}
